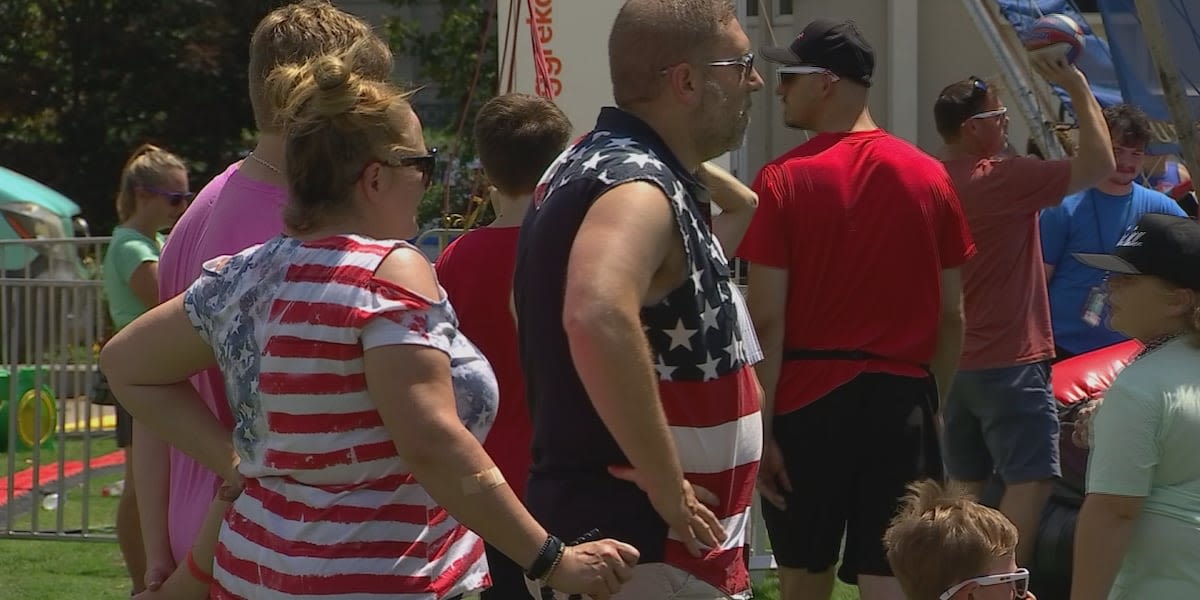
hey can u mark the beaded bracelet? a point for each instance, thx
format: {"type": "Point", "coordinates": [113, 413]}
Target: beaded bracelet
{"type": "Point", "coordinates": [562, 549]}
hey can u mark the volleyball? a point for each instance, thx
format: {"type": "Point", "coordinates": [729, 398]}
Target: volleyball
{"type": "Point", "coordinates": [1054, 29]}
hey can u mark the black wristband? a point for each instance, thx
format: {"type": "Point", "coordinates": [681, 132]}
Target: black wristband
{"type": "Point", "coordinates": [546, 558]}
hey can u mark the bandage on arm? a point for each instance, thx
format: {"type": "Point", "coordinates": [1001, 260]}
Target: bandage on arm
{"type": "Point", "coordinates": [482, 481]}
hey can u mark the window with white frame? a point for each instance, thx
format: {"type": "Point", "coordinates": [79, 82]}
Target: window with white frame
{"type": "Point", "coordinates": [779, 10]}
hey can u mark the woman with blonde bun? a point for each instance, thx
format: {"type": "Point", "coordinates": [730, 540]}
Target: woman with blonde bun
{"type": "Point", "coordinates": [360, 408]}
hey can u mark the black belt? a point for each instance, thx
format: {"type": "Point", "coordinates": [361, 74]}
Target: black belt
{"type": "Point", "coordinates": [807, 354]}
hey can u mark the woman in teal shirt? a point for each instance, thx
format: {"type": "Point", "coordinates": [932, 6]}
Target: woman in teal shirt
{"type": "Point", "coordinates": [152, 195]}
{"type": "Point", "coordinates": [1138, 534]}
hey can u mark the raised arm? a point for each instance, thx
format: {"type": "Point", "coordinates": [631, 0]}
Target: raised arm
{"type": "Point", "coordinates": [1094, 161]}
{"type": "Point", "coordinates": [736, 201]}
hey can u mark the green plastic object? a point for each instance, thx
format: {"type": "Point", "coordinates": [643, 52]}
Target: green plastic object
{"type": "Point", "coordinates": [30, 431]}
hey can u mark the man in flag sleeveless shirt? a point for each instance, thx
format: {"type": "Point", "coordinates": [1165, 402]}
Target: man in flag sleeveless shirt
{"type": "Point", "coordinates": [645, 412]}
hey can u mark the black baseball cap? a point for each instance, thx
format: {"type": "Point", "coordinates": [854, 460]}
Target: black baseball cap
{"type": "Point", "coordinates": [829, 44]}
{"type": "Point", "coordinates": [1165, 246]}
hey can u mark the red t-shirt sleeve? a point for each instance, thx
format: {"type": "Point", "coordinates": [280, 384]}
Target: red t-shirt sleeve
{"type": "Point", "coordinates": [766, 241]}
{"type": "Point", "coordinates": [955, 245]}
{"type": "Point", "coordinates": [447, 269]}
{"type": "Point", "coordinates": [1034, 183]}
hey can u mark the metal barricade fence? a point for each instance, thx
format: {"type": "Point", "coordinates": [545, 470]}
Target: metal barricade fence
{"type": "Point", "coordinates": [433, 241]}
{"type": "Point", "coordinates": [56, 448]}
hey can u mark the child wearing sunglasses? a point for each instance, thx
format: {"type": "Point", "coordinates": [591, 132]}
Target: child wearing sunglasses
{"type": "Point", "coordinates": [943, 545]}
{"type": "Point", "coordinates": [151, 197]}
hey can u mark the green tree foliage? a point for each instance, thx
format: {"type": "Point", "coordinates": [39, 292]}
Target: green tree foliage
{"type": "Point", "coordinates": [86, 81]}
{"type": "Point", "coordinates": [448, 58]}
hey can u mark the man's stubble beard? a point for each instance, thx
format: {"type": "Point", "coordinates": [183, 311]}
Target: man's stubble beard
{"type": "Point", "coordinates": [719, 132]}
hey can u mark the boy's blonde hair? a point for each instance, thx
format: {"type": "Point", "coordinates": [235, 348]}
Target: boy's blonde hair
{"type": "Point", "coordinates": [941, 537]}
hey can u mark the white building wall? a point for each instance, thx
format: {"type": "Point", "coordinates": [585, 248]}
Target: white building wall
{"type": "Point", "coordinates": [920, 46]}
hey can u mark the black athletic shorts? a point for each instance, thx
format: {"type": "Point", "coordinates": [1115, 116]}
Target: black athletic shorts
{"type": "Point", "coordinates": [849, 456]}
{"type": "Point", "coordinates": [124, 427]}
{"type": "Point", "coordinates": [508, 578]}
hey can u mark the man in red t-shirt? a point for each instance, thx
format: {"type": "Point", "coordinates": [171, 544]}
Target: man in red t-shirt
{"type": "Point", "coordinates": [854, 290]}
{"type": "Point", "coordinates": [1001, 416]}
{"type": "Point", "coordinates": [517, 136]}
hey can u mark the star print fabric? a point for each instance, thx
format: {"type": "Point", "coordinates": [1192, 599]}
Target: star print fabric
{"type": "Point", "coordinates": [708, 393]}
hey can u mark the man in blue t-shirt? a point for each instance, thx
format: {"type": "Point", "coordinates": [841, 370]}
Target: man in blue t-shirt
{"type": "Point", "coordinates": [1093, 221]}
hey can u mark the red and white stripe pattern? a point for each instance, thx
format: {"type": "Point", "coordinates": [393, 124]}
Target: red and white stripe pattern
{"type": "Point", "coordinates": [329, 509]}
{"type": "Point", "coordinates": [696, 336]}
{"type": "Point", "coordinates": [717, 429]}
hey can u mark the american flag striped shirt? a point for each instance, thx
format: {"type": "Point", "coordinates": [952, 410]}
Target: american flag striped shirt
{"type": "Point", "coordinates": [708, 391]}
{"type": "Point", "coordinates": [330, 509]}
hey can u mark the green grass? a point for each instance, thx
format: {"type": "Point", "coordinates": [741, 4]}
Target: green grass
{"type": "Point", "coordinates": [37, 569]}
{"type": "Point", "coordinates": [69, 570]}
{"type": "Point", "coordinates": [66, 570]}
{"type": "Point", "coordinates": [769, 590]}
{"type": "Point", "coordinates": [73, 450]}
{"type": "Point", "coordinates": [93, 571]}
{"type": "Point", "coordinates": [101, 510]}
{"type": "Point", "coordinates": [842, 591]}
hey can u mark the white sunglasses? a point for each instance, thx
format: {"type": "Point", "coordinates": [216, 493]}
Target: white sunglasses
{"type": "Point", "coordinates": [1019, 580]}
{"type": "Point", "coordinates": [802, 70]}
{"type": "Point", "coordinates": [999, 112]}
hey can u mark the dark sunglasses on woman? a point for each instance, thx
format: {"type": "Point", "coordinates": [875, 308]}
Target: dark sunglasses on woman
{"type": "Point", "coordinates": [424, 163]}
{"type": "Point", "coordinates": [174, 198]}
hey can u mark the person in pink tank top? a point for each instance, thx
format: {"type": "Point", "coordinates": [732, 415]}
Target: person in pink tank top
{"type": "Point", "coordinates": [239, 208]}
